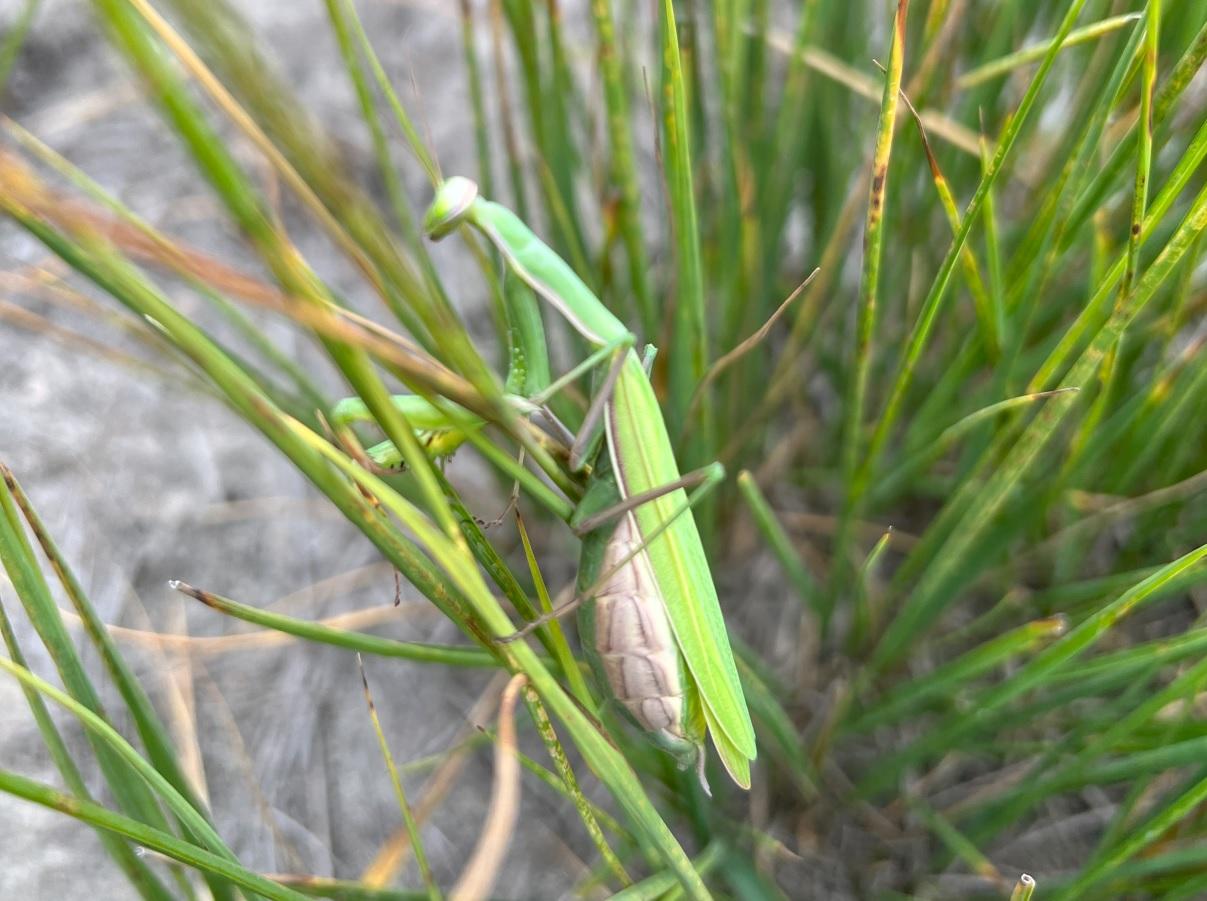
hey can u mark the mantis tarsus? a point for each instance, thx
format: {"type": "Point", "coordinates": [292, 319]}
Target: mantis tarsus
{"type": "Point", "coordinates": [651, 622]}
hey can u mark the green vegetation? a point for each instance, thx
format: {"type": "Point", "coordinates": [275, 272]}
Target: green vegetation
{"type": "Point", "coordinates": [1000, 357]}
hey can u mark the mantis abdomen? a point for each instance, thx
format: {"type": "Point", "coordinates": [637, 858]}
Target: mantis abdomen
{"type": "Point", "coordinates": [634, 641]}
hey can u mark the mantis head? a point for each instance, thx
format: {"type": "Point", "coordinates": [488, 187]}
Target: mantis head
{"type": "Point", "coordinates": [452, 201]}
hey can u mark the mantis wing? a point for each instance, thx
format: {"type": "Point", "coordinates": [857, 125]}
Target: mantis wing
{"type": "Point", "coordinates": [642, 460]}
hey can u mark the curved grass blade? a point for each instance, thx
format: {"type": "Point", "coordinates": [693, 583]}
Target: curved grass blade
{"type": "Point", "coordinates": [602, 757]}
{"type": "Point", "coordinates": [353, 641]}
{"type": "Point", "coordinates": [1028, 55]}
{"type": "Point", "coordinates": [189, 816]}
{"type": "Point", "coordinates": [865, 327]}
{"type": "Point", "coordinates": [151, 730]}
{"type": "Point", "coordinates": [147, 836]}
{"type": "Point", "coordinates": [145, 882]}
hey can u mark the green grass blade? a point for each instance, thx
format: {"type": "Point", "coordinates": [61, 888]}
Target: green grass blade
{"type": "Point", "coordinates": [150, 728]}
{"type": "Point", "coordinates": [19, 561]}
{"type": "Point", "coordinates": [404, 214]}
{"type": "Point", "coordinates": [145, 882]}
{"type": "Point", "coordinates": [11, 46]}
{"type": "Point", "coordinates": [147, 836]}
{"type": "Point", "coordinates": [624, 170]}
{"type": "Point", "coordinates": [565, 772]}
{"type": "Point", "coordinates": [1038, 670]}
{"type": "Point", "coordinates": [1167, 97]}
{"type": "Point", "coordinates": [997, 67]}
{"type": "Point", "coordinates": [660, 884]}
{"type": "Point", "coordinates": [603, 758]}
{"type": "Point", "coordinates": [933, 591]}
{"type": "Point", "coordinates": [401, 117]}
{"type": "Point", "coordinates": [1174, 812]}
{"type": "Point", "coordinates": [950, 678]}
{"type": "Point", "coordinates": [921, 330]}
{"type": "Point", "coordinates": [558, 645]}
{"type": "Point", "coordinates": [477, 99]}
{"type": "Point", "coordinates": [189, 816]}
{"type": "Point", "coordinates": [408, 816]}
{"type": "Point", "coordinates": [779, 542]}
{"type": "Point", "coordinates": [354, 641]}
{"type": "Point", "coordinates": [865, 326]}
{"type": "Point", "coordinates": [689, 339]}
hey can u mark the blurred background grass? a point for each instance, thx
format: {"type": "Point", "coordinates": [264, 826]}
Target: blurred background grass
{"type": "Point", "coordinates": [1010, 680]}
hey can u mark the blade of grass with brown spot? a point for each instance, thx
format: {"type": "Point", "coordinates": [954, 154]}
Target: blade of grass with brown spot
{"type": "Point", "coordinates": [865, 325]}
{"type": "Point", "coordinates": [570, 786]}
{"type": "Point", "coordinates": [920, 332]}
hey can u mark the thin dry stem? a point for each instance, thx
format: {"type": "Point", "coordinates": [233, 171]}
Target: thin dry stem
{"type": "Point", "coordinates": [483, 868]}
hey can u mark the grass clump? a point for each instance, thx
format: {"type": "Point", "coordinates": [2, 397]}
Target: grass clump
{"type": "Point", "coordinates": [972, 449]}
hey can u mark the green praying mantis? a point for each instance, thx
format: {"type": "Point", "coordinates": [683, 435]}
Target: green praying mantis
{"type": "Point", "coordinates": [649, 619]}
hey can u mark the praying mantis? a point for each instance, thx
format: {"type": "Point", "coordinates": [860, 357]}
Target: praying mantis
{"type": "Point", "coordinates": [650, 620]}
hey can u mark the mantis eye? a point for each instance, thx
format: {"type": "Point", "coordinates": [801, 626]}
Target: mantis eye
{"type": "Point", "coordinates": [452, 201]}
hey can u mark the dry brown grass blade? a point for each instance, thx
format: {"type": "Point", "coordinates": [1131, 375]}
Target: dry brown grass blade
{"type": "Point", "coordinates": [480, 873]}
{"type": "Point", "coordinates": [19, 317]}
{"type": "Point", "coordinates": [819, 524]}
{"type": "Point", "coordinates": [182, 708]}
{"type": "Point", "coordinates": [22, 189]}
{"type": "Point", "coordinates": [46, 282]}
{"type": "Point", "coordinates": [866, 86]}
{"type": "Point", "coordinates": [745, 347]}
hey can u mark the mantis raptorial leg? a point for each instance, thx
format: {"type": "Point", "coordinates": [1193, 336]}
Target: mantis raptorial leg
{"type": "Point", "coordinates": [587, 443]}
{"type": "Point", "coordinates": [706, 477]}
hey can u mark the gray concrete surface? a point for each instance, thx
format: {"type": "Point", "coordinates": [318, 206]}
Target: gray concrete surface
{"type": "Point", "coordinates": [142, 483]}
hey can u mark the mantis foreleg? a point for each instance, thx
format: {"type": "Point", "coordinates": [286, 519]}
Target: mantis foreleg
{"type": "Point", "coordinates": [705, 476]}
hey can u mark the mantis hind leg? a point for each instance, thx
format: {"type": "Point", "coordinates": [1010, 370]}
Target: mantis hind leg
{"type": "Point", "coordinates": [703, 480]}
